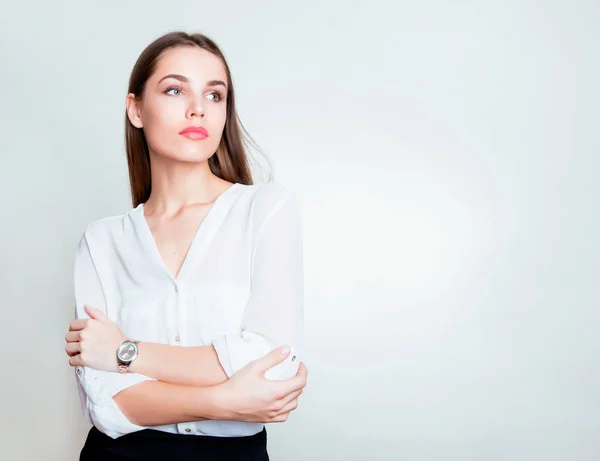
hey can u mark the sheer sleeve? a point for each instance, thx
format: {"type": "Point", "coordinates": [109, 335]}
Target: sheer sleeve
{"type": "Point", "coordinates": [97, 388]}
{"type": "Point", "coordinates": [274, 314]}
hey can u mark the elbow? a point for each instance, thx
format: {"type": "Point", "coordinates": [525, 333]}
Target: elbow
{"type": "Point", "coordinates": [107, 394]}
{"type": "Point", "coordinates": [235, 351]}
{"type": "Point", "coordinates": [127, 408]}
{"type": "Point", "coordinates": [112, 422]}
{"type": "Point", "coordinates": [115, 416]}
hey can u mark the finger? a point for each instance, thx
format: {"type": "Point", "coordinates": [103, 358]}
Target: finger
{"type": "Point", "coordinates": [290, 406]}
{"type": "Point", "coordinates": [273, 358]}
{"type": "Point", "coordinates": [296, 383]}
{"type": "Point", "coordinates": [95, 313]}
{"type": "Point", "coordinates": [280, 418]}
{"type": "Point", "coordinates": [78, 324]}
{"type": "Point", "coordinates": [284, 414]}
{"type": "Point", "coordinates": [290, 397]}
{"type": "Point", "coordinates": [302, 370]}
{"type": "Point", "coordinates": [76, 361]}
{"type": "Point", "coordinates": [73, 348]}
{"type": "Point", "coordinates": [73, 336]}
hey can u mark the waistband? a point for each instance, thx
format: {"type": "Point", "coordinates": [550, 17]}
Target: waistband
{"type": "Point", "coordinates": [155, 445]}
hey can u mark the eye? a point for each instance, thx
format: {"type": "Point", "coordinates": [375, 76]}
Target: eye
{"type": "Point", "coordinates": [175, 88]}
{"type": "Point", "coordinates": [218, 95]}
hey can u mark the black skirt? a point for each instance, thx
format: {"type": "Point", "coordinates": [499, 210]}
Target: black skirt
{"type": "Point", "coordinates": [154, 445]}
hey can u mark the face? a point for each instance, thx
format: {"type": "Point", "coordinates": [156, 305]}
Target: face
{"type": "Point", "coordinates": [187, 89]}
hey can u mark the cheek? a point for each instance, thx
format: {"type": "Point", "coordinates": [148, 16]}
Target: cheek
{"type": "Point", "coordinates": [160, 125]}
{"type": "Point", "coordinates": [215, 121]}
{"type": "Point", "coordinates": [216, 115]}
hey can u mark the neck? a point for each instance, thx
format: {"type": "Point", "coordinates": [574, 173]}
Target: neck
{"type": "Point", "coordinates": [177, 184]}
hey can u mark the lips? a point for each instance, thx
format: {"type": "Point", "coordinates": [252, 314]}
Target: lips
{"type": "Point", "coordinates": [194, 132]}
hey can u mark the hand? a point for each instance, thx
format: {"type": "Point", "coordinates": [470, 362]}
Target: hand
{"type": "Point", "coordinates": [93, 342]}
{"type": "Point", "coordinates": [249, 396]}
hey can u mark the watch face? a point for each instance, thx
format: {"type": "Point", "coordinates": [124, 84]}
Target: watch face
{"type": "Point", "coordinates": [127, 351]}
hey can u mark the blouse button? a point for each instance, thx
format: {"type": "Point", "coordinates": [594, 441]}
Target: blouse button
{"type": "Point", "coordinates": [177, 338]}
{"type": "Point", "coordinates": [188, 429]}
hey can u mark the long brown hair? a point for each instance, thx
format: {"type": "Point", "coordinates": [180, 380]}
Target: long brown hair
{"type": "Point", "coordinates": [231, 160]}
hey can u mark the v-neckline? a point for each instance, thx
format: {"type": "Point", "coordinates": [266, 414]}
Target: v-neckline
{"type": "Point", "coordinates": [216, 211]}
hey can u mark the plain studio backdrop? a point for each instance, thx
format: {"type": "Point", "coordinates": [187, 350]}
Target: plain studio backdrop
{"type": "Point", "coordinates": [445, 155]}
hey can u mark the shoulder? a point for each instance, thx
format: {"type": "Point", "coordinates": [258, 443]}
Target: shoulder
{"type": "Point", "coordinates": [268, 198]}
{"type": "Point", "coordinates": [101, 238]}
{"type": "Point", "coordinates": [273, 208]}
{"type": "Point", "coordinates": [109, 226]}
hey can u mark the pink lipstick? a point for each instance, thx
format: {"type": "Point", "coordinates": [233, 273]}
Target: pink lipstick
{"type": "Point", "coordinates": [194, 132]}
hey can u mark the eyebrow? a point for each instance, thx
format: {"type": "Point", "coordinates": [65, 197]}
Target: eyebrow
{"type": "Point", "coordinates": [181, 78]}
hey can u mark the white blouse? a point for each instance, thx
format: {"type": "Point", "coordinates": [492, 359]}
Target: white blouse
{"type": "Point", "coordinates": [240, 288]}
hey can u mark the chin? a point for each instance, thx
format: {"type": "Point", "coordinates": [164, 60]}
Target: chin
{"type": "Point", "coordinates": [189, 155]}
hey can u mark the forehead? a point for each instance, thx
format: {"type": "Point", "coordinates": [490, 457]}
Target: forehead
{"type": "Point", "coordinates": [196, 64]}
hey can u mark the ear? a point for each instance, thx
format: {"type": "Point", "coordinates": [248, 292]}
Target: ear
{"type": "Point", "coordinates": [133, 111]}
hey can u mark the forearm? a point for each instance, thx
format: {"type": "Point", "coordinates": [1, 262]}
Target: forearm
{"type": "Point", "coordinates": [155, 403]}
{"type": "Point", "coordinates": [190, 366]}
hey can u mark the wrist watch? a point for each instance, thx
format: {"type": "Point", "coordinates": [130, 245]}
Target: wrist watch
{"type": "Point", "coordinates": [127, 352]}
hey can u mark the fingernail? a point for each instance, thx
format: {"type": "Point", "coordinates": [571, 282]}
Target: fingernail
{"type": "Point", "coordinates": [285, 350]}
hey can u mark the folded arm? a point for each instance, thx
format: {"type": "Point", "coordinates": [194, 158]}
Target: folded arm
{"type": "Point", "coordinates": [163, 386]}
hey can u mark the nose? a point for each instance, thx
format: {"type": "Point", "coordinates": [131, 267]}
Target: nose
{"type": "Point", "coordinates": [196, 109]}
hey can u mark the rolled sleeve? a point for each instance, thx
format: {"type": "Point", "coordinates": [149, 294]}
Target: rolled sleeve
{"type": "Point", "coordinates": [97, 388]}
{"type": "Point", "coordinates": [273, 315]}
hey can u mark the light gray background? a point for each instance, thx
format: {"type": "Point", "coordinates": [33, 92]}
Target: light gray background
{"type": "Point", "coordinates": [445, 155]}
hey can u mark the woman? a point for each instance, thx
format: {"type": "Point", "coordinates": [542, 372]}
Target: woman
{"type": "Point", "coordinates": [189, 315]}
